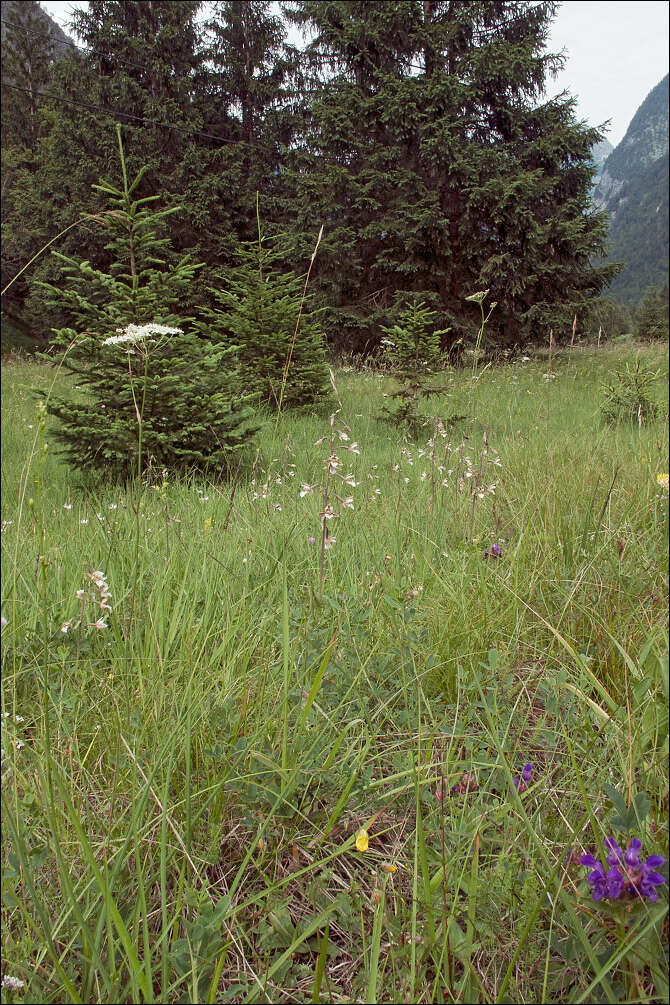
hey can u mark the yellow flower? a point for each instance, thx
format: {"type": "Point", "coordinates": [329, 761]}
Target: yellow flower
{"type": "Point", "coordinates": [663, 479]}
{"type": "Point", "coordinates": [362, 840]}
{"type": "Point", "coordinates": [387, 867]}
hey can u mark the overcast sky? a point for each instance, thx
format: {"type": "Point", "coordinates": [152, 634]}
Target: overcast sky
{"type": "Point", "coordinates": [616, 53]}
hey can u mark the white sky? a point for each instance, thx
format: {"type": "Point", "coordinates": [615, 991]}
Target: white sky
{"type": "Point", "coordinates": [616, 53]}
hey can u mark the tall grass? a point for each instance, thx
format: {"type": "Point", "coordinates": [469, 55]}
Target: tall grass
{"type": "Point", "coordinates": [214, 752]}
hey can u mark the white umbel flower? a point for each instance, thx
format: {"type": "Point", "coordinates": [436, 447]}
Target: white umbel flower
{"type": "Point", "coordinates": [137, 333]}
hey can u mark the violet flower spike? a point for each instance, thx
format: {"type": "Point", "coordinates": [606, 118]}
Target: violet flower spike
{"type": "Point", "coordinates": [631, 856]}
{"type": "Point", "coordinates": [615, 856]}
{"type": "Point", "coordinates": [627, 876]}
{"type": "Point", "coordinates": [650, 879]}
{"type": "Point", "coordinates": [616, 882]}
{"type": "Point", "coordinates": [521, 784]}
{"type": "Point", "coordinates": [597, 879]}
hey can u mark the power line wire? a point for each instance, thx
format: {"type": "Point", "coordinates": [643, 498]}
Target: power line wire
{"type": "Point", "coordinates": [314, 57]}
{"type": "Point", "coordinates": [479, 35]}
{"type": "Point", "coordinates": [121, 59]}
{"type": "Point", "coordinates": [79, 48]}
{"type": "Point", "coordinates": [137, 118]}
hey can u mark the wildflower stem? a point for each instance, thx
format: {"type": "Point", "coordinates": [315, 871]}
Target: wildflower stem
{"type": "Point", "coordinates": [297, 326]}
{"type": "Point", "coordinates": [324, 531]}
{"type": "Point", "coordinates": [45, 612]}
{"type": "Point", "coordinates": [285, 667]}
{"type": "Point", "coordinates": [478, 344]}
{"type": "Point", "coordinates": [139, 416]}
{"type": "Point", "coordinates": [82, 603]}
{"type": "Point", "coordinates": [432, 468]}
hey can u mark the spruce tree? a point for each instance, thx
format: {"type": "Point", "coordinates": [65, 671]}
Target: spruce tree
{"type": "Point", "coordinates": [651, 320]}
{"type": "Point", "coordinates": [28, 52]}
{"type": "Point", "coordinates": [205, 106]}
{"type": "Point", "coordinates": [350, 168]}
{"type": "Point", "coordinates": [263, 311]}
{"type": "Point", "coordinates": [139, 61]}
{"type": "Point", "coordinates": [435, 169]}
{"type": "Point", "coordinates": [147, 392]}
{"type": "Point", "coordinates": [250, 104]}
{"type": "Point", "coordinates": [413, 346]}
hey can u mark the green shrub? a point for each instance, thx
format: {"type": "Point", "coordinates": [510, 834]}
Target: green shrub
{"type": "Point", "coordinates": [146, 391]}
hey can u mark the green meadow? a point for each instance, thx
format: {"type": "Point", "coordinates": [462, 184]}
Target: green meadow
{"type": "Point", "coordinates": [281, 768]}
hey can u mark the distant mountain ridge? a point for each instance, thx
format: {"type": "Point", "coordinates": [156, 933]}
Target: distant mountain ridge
{"type": "Point", "coordinates": [633, 188]}
{"type": "Point", "coordinates": [12, 7]}
{"type": "Point", "coordinates": [600, 153]}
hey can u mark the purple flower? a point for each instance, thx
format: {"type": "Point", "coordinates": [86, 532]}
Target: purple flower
{"type": "Point", "coordinates": [616, 882]}
{"type": "Point", "coordinates": [631, 856]}
{"type": "Point", "coordinates": [495, 551]}
{"type": "Point", "coordinates": [521, 784]}
{"type": "Point", "coordinates": [615, 856]}
{"type": "Point", "coordinates": [312, 540]}
{"type": "Point", "coordinates": [597, 879]}
{"type": "Point", "coordinates": [649, 879]}
{"type": "Point", "coordinates": [627, 876]}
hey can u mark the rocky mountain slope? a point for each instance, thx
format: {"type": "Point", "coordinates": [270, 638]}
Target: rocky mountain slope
{"type": "Point", "coordinates": [14, 11]}
{"type": "Point", "coordinates": [633, 187]}
{"type": "Point", "coordinates": [601, 152]}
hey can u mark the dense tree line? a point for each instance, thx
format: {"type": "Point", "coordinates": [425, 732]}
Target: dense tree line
{"type": "Point", "coordinates": [414, 131]}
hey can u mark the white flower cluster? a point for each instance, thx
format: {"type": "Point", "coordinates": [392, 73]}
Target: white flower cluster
{"type": "Point", "coordinates": [339, 431]}
{"type": "Point", "coordinates": [264, 490]}
{"type": "Point", "coordinates": [12, 983]}
{"type": "Point", "coordinates": [137, 333]}
{"type": "Point", "coordinates": [99, 596]}
{"type": "Point", "coordinates": [8, 728]}
{"type": "Point", "coordinates": [451, 465]}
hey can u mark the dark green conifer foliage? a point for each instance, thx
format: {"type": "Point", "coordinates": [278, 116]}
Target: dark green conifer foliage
{"type": "Point", "coordinates": [28, 49]}
{"type": "Point", "coordinates": [28, 52]}
{"type": "Point", "coordinates": [217, 95]}
{"type": "Point", "coordinates": [142, 61]}
{"type": "Point", "coordinates": [651, 321]}
{"type": "Point", "coordinates": [434, 168]}
{"type": "Point", "coordinates": [249, 70]}
{"type": "Point", "coordinates": [352, 170]}
{"type": "Point", "coordinates": [167, 399]}
{"type": "Point", "coordinates": [259, 309]}
{"type": "Point", "coordinates": [607, 319]}
{"type": "Point", "coordinates": [413, 346]}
